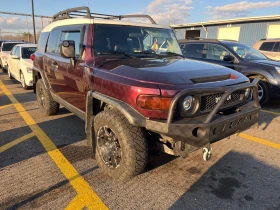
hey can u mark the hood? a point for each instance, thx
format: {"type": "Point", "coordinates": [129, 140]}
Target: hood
{"type": "Point", "coordinates": [7, 53]}
{"type": "Point", "coordinates": [168, 71]}
{"type": "Point", "coordinates": [267, 62]}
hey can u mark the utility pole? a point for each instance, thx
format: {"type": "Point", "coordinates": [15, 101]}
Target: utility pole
{"type": "Point", "coordinates": [34, 30]}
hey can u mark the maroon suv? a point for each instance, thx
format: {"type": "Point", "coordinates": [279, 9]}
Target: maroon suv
{"type": "Point", "coordinates": [130, 84]}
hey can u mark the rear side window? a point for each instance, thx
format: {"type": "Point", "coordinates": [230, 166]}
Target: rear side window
{"type": "Point", "coordinates": [53, 42]}
{"type": "Point", "coordinates": [43, 41]}
{"type": "Point", "coordinates": [267, 46]}
{"type": "Point", "coordinates": [193, 50]}
{"type": "Point", "coordinates": [276, 47]}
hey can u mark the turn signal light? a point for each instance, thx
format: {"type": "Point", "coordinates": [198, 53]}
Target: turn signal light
{"type": "Point", "coordinates": [153, 102]}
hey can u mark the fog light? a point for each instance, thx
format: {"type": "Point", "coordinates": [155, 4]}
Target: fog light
{"type": "Point", "coordinates": [187, 103]}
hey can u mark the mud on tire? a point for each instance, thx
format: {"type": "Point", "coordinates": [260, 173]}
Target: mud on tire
{"type": "Point", "coordinates": [131, 140]}
{"type": "Point", "coordinates": [47, 105]}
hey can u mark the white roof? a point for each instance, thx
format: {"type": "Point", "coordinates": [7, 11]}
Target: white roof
{"type": "Point", "coordinates": [77, 21]}
{"type": "Point", "coordinates": [26, 45]}
{"type": "Point", "coordinates": [234, 20]}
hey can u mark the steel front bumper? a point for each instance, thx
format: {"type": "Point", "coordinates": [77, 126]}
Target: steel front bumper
{"type": "Point", "coordinates": [212, 127]}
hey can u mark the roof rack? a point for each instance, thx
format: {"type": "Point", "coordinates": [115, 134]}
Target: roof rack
{"type": "Point", "coordinates": [85, 12]}
{"type": "Point", "coordinates": [270, 39]}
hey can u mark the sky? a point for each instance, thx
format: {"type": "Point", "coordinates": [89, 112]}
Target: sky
{"type": "Point", "coordinates": [163, 11]}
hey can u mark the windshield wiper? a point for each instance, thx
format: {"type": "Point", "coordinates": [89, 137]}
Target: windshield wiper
{"type": "Point", "coordinates": [115, 53]}
{"type": "Point", "coordinates": [174, 54]}
{"type": "Point", "coordinates": [148, 52]}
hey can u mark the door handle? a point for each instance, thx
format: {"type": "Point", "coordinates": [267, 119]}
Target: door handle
{"type": "Point", "coordinates": [54, 64]}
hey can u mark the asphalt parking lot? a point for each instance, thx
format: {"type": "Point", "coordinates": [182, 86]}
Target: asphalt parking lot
{"type": "Point", "coordinates": [45, 164]}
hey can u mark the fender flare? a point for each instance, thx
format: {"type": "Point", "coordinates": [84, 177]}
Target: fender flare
{"type": "Point", "coordinates": [133, 116]}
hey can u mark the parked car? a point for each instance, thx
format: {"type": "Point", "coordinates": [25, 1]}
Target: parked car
{"type": "Point", "coordinates": [5, 51]}
{"type": "Point", "coordinates": [20, 65]}
{"type": "Point", "coordinates": [241, 58]}
{"type": "Point", "coordinates": [106, 73]}
{"type": "Point", "coordinates": [269, 47]}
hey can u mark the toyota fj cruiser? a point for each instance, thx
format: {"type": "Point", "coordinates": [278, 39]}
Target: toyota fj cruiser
{"type": "Point", "coordinates": [111, 73]}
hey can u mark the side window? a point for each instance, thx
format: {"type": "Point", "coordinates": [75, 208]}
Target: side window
{"type": "Point", "coordinates": [75, 36]}
{"type": "Point", "coordinates": [193, 50]}
{"type": "Point", "coordinates": [43, 41]}
{"type": "Point", "coordinates": [53, 42]}
{"type": "Point", "coordinates": [267, 46]}
{"type": "Point", "coordinates": [216, 52]}
{"type": "Point", "coordinates": [13, 50]}
{"type": "Point", "coordinates": [276, 47]}
{"type": "Point", "coordinates": [17, 52]}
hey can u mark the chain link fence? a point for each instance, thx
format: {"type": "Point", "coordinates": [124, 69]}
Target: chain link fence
{"type": "Point", "coordinates": [19, 27]}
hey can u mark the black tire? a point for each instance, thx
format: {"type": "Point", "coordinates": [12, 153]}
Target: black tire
{"type": "Point", "coordinates": [132, 143]}
{"type": "Point", "coordinates": [263, 85]}
{"type": "Point", "coordinates": [9, 73]}
{"type": "Point", "coordinates": [22, 81]}
{"type": "Point", "coordinates": [46, 104]}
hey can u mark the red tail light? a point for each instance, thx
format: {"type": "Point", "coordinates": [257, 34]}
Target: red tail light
{"type": "Point", "coordinates": [32, 57]}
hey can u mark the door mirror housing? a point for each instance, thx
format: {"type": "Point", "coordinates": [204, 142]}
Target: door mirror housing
{"type": "Point", "coordinates": [14, 57]}
{"type": "Point", "coordinates": [67, 49]}
{"type": "Point", "coordinates": [228, 58]}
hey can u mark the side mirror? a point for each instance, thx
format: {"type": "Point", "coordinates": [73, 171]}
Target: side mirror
{"type": "Point", "coordinates": [228, 58]}
{"type": "Point", "coordinates": [14, 57]}
{"type": "Point", "coordinates": [67, 49]}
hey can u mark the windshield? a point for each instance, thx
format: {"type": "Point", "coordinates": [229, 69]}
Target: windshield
{"type": "Point", "coordinates": [27, 51]}
{"type": "Point", "coordinates": [246, 52]}
{"type": "Point", "coordinates": [8, 46]}
{"type": "Point", "coordinates": [134, 40]}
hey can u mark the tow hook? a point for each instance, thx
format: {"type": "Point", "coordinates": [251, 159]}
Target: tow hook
{"type": "Point", "coordinates": [207, 152]}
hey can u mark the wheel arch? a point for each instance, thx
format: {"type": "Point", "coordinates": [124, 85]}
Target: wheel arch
{"type": "Point", "coordinates": [97, 102]}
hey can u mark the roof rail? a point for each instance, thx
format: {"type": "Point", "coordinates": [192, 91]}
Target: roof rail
{"type": "Point", "coordinates": [135, 16]}
{"type": "Point", "coordinates": [85, 12]}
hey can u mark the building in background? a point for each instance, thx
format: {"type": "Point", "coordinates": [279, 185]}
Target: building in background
{"type": "Point", "coordinates": [245, 30]}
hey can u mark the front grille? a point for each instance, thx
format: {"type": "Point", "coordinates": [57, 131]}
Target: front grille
{"type": "Point", "coordinates": [208, 102]}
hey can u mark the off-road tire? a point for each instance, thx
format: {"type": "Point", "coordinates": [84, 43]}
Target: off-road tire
{"type": "Point", "coordinates": [132, 141]}
{"type": "Point", "coordinates": [50, 106]}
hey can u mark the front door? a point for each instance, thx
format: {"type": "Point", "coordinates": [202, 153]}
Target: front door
{"type": "Point", "coordinates": [75, 92]}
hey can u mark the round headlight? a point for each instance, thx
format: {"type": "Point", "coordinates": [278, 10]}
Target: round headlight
{"type": "Point", "coordinates": [247, 93]}
{"type": "Point", "coordinates": [188, 103]}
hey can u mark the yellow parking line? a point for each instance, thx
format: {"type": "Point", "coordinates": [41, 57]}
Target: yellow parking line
{"type": "Point", "coordinates": [260, 141]}
{"type": "Point", "coordinates": [5, 106]}
{"type": "Point", "coordinates": [271, 112]}
{"type": "Point", "coordinates": [76, 203]}
{"type": "Point", "coordinates": [15, 142]}
{"type": "Point", "coordinates": [1, 93]}
{"type": "Point", "coordinates": [83, 189]}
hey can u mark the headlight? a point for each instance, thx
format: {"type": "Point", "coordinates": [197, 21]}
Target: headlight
{"type": "Point", "coordinates": [247, 93]}
{"type": "Point", "coordinates": [189, 106]}
{"type": "Point", "coordinates": [187, 103]}
{"type": "Point", "coordinates": [278, 69]}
